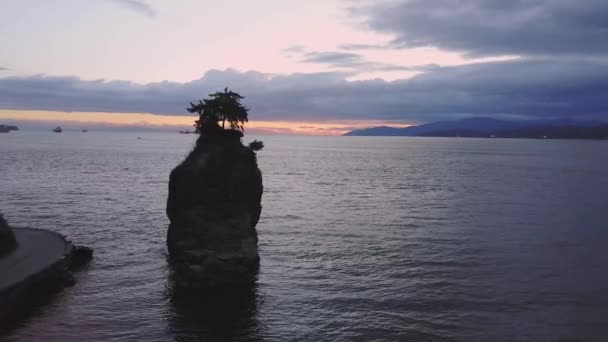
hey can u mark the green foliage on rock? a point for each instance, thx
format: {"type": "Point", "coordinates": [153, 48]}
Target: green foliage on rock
{"type": "Point", "coordinates": [214, 200]}
{"type": "Point", "coordinates": [256, 145]}
{"type": "Point", "coordinates": [221, 107]}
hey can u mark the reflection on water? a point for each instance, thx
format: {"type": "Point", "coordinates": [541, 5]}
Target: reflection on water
{"type": "Point", "coordinates": [361, 239]}
{"type": "Point", "coordinates": [31, 304]}
{"type": "Point", "coordinates": [225, 314]}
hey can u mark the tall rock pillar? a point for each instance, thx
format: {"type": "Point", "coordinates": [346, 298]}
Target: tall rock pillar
{"type": "Point", "coordinates": [214, 205]}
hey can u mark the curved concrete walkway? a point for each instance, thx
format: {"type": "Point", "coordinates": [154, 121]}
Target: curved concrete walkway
{"type": "Point", "coordinates": [37, 251]}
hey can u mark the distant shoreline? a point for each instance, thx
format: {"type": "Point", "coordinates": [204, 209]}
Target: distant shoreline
{"type": "Point", "coordinates": [349, 134]}
{"type": "Point", "coordinates": [493, 128]}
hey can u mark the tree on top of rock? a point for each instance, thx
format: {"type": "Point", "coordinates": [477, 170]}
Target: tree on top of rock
{"type": "Point", "coordinates": [220, 106]}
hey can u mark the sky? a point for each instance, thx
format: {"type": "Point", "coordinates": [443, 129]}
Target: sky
{"type": "Point", "coordinates": [305, 67]}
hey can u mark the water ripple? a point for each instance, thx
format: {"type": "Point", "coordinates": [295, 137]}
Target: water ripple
{"type": "Point", "coordinates": [362, 239]}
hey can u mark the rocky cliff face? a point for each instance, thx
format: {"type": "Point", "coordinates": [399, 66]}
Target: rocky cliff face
{"type": "Point", "coordinates": [214, 206]}
{"type": "Point", "coordinates": [7, 238]}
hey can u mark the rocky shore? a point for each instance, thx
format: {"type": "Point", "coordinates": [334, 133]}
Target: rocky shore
{"type": "Point", "coordinates": [7, 237]}
{"type": "Point", "coordinates": [36, 264]}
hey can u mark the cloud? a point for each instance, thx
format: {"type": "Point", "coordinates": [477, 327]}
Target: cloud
{"type": "Point", "coordinates": [353, 63]}
{"type": "Point", "coordinates": [492, 27]}
{"type": "Point", "coordinates": [138, 6]}
{"type": "Point", "coordinates": [362, 47]}
{"type": "Point", "coordinates": [3, 68]}
{"type": "Point", "coordinates": [294, 49]}
{"type": "Point", "coordinates": [331, 57]}
{"type": "Point", "coordinates": [531, 88]}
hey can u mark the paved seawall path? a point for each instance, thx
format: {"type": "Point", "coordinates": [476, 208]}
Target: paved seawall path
{"type": "Point", "coordinates": [36, 268]}
{"type": "Point", "coordinates": [37, 251]}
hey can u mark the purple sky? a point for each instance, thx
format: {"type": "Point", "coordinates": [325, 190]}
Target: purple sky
{"type": "Point", "coordinates": [394, 60]}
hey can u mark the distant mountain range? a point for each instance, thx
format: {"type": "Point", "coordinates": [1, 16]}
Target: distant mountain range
{"type": "Point", "coordinates": [494, 128]}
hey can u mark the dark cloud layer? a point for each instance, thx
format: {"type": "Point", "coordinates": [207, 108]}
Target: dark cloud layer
{"type": "Point", "coordinates": [527, 87]}
{"type": "Point", "coordinates": [351, 62]}
{"type": "Point", "coordinates": [362, 47]}
{"type": "Point", "coordinates": [562, 72]}
{"type": "Point", "coordinates": [330, 57]}
{"type": "Point", "coordinates": [493, 27]}
{"type": "Point", "coordinates": [138, 6]}
{"type": "Point", "coordinates": [562, 45]}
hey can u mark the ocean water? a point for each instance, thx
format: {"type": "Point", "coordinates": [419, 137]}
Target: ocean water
{"type": "Point", "coordinates": [361, 239]}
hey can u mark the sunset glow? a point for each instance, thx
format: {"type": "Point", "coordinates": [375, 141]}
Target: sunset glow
{"type": "Point", "coordinates": [183, 122]}
{"type": "Point", "coordinates": [322, 68]}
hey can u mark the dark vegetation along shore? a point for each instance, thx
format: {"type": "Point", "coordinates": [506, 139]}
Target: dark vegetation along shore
{"type": "Point", "coordinates": [493, 128]}
{"type": "Point", "coordinates": [214, 201]}
{"type": "Point", "coordinates": [34, 263]}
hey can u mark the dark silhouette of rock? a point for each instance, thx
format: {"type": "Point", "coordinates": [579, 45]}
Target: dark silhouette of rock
{"type": "Point", "coordinates": [214, 205]}
{"type": "Point", "coordinates": [7, 237]}
{"type": "Point", "coordinates": [256, 145]}
{"type": "Point", "coordinates": [81, 255]}
{"type": "Point", "coordinates": [214, 200]}
{"type": "Point", "coordinates": [7, 128]}
{"type": "Point", "coordinates": [494, 128]}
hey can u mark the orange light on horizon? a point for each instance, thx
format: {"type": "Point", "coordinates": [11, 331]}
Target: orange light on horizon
{"type": "Point", "coordinates": [335, 127]}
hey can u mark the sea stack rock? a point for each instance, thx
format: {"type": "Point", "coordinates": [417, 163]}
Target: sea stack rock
{"type": "Point", "coordinates": [7, 237]}
{"type": "Point", "coordinates": [214, 200]}
{"type": "Point", "coordinates": [214, 205]}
